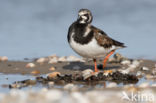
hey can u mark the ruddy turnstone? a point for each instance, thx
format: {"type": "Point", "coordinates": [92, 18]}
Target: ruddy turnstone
{"type": "Point", "coordinates": [89, 41]}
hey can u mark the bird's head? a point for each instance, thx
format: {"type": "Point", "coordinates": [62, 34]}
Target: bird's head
{"type": "Point", "coordinates": [84, 16]}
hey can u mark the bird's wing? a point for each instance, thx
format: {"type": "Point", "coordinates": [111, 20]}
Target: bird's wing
{"type": "Point", "coordinates": [104, 40]}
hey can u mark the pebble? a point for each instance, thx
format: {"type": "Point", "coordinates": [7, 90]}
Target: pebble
{"type": "Point", "coordinates": [52, 68]}
{"type": "Point", "coordinates": [53, 75]}
{"type": "Point", "coordinates": [136, 63]}
{"type": "Point", "coordinates": [30, 65]}
{"type": "Point", "coordinates": [41, 60]}
{"type": "Point", "coordinates": [144, 85]}
{"type": "Point", "coordinates": [125, 71]}
{"type": "Point", "coordinates": [112, 85]}
{"type": "Point", "coordinates": [126, 62]}
{"type": "Point", "coordinates": [70, 87]}
{"type": "Point", "coordinates": [74, 59]}
{"type": "Point", "coordinates": [4, 58]}
{"type": "Point", "coordinates": [87, 73]}
{"type": "Point", "coordinates": [62, 59]}
{"type": "Point", "coordinates": [145, 69]}
{"type": "Point", "coordinates": [35, 72]}
{"type": "Point", "coordinates": [53, 60]}
{"type": "Point", "coordinates": [139, 74]}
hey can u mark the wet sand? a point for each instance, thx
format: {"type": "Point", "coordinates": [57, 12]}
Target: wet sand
{"type": "Point", "coordinates": [19, 67]}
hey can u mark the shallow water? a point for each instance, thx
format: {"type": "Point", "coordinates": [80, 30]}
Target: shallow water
{"type": "Point", "coordinates": [11, 78]}
{"type": "Point", "coordinates": [39, 28]}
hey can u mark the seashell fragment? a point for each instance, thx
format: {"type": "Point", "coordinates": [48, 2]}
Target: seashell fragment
{"type": "Point", "coordinates": [30, 65]}
{"type": "Point", "coordinates": [87, 73]}
{"type": "Point", "coordinates": [52, 68]}
{"type": "Point", "coordinates": [4, 58]}
{"type": "Point", "coordinates": [35, 72]}
{"type": "Point", "coordinates": [53, 75]}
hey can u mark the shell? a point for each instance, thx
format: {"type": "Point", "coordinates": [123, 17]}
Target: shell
{"type": "Point", "coordinates": [62, 59]}
{"type": "Point", "coordinates": [53, 60]}
{"type": "Point", "coordinates": [4, 58]}
{"type": "Point", "coordinates": [52, 68]}
{"type": "Point", "coordinates": [41, 60]}
{"type": "Point", "coordinates": [53, 75]}
{"type": "Point", "coordinates": [145, 68]}
{"type": "Point", "coordinates": [30, 65]}
{"type": "Point", "coordinates": [126, 62]}
{"type": "Point", "coordinates": [74, 58]}
{"type": "Point", "coordinates": [87, 73]}
{"type": "Point", "coordinates": [35, 72]}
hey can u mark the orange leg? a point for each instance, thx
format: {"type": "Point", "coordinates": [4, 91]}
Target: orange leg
{"type": "Point", "coordinates": [95, 65]}
{"type": "Point", "coordinates": [106, 58]}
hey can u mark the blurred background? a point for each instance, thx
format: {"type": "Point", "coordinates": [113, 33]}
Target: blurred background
{"type": "Point", "coordinates": [36, 28]}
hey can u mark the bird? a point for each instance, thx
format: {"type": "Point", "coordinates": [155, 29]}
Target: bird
{"type": "Point", "coordinates": [89, 41]}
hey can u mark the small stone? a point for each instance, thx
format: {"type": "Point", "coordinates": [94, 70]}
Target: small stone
{"type": "Point", "coordinates": [53, 75]}
{"type": "Point", "coordinates": [87, 73]}
{"type": "Point", "coordinates": [4, 58]}
{"type": "Point", "coordinates": [136, 63]}
{"type": "Point", "coordinates": [41, 60]}
{"type": "Point", "coordinates": [145, 68]}
{"type": "Point", "coordinates": [132, 67]}
{"type": "Point", "coordinates": [126, 62]}
{"type": "Point", "coordinates": [126, 71]}
{"type": "Point", "coordinates": [52, 68]}
{"type": "Point", "coordinates": [74, 59]}
{"type": "Point", "coordinates": [30, 65]}
{"type": "Point", "coordinates": [35, 72]}
{"type": "Point", "coordinates": [139, 74]}
{"type": "Point", "coordinates": [144, 85]}
{"type": "Point", "coordinates": [106, 74]}
{"type": "Point", "coordinates": [62, 59]}
{"type": "Point", "coordinates": [53, 60]}
{"type": "Point", "coordinates": [112, 85]}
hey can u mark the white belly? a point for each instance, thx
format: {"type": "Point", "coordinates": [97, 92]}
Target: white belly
{"type": "Point", "coordinates": [90, 50]}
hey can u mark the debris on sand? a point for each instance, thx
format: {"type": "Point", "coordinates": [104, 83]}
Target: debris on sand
{"type": "Point", "coordinates": [85, 77]}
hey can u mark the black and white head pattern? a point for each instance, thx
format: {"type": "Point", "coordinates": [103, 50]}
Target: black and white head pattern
{"type": "Point", "coordinates": [84, 16]}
